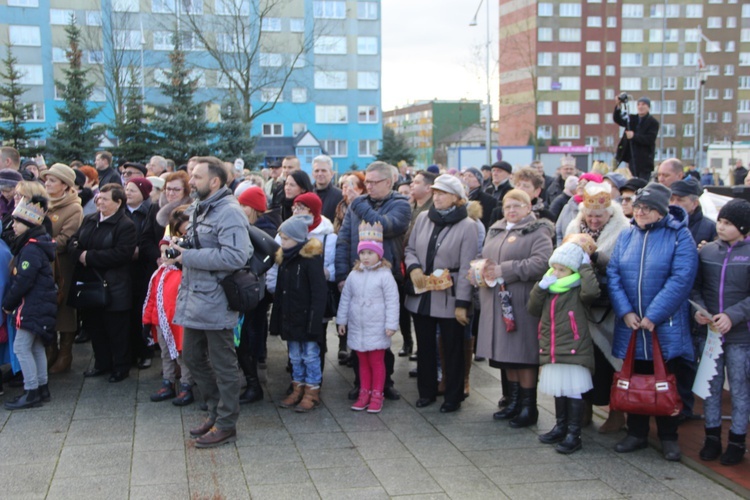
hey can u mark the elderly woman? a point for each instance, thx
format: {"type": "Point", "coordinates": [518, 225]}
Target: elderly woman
{"type": "Point", "coordinates": [296, 183]}
{"type": "Point", "coordinates": [176, 193]}
{"type": "Point", "coordinates": [651, 272]}
{"type": "Point", "coordinates": [66, 214]}
{"type": "Point", "coordinates": [352, 186]}
{"type": "Point", "coordinates": [531, 181]}
{"type": "Point", "coordinates": [603, 220]}
{"type": "Point", "coordinates": [103, 247]}
{"type": "Point", "coordinates": [443, 240]}
{"type": "Point", "coordinates": [518, 248]}
{"type": "Point", "coordinates": [570, 210]}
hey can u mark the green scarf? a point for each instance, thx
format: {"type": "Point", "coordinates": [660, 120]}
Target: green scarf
{"type": "Point", "coordinates": [562, 285]}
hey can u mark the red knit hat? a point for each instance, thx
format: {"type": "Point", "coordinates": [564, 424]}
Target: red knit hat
{"type": "Point", "coordinates": [253, 197]}
{"type": "Point", "coordinates": [144, 186]}
{"type": "Point", "coordinates": [311, 201]}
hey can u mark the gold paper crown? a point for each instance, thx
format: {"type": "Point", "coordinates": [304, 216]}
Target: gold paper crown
{"type": "Point", "coordinates": [597, 195]}
{"type": "Point", "coordinates": [29, 212]}
{"type": "Point", "coordinates": [371, 232]}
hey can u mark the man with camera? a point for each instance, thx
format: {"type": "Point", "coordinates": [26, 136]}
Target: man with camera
{"type": "Point", "coordinates": [216, 244]}
{"type": "Point", "coordinates": [638, 143]}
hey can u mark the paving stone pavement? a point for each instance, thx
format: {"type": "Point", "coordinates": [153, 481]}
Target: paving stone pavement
{"type": "Point", "coordinates": [99, 440]}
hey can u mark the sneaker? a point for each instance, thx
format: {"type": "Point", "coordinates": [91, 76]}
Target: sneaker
{"type": "Point", "coordinates": [166, 391]}
{"type": "Point", "coordinates": [185, 396]}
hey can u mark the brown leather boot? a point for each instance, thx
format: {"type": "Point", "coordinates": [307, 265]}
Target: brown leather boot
{"type": "Point", "coordinates": [52, 352]}
{"type": "Point", "coordinates": [468, 358]}
{"type": "Point", "coordinates": [614, 423]}
{"type": "Point", "coordinates": [310, 401]}
{"type": "Point", "coordinates": [65, 356]}
{"type": "Point", "coordinates": [298, 389]}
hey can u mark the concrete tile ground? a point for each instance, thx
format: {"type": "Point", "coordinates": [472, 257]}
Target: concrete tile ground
{"type": "Point", "coordinates": [99, 440]}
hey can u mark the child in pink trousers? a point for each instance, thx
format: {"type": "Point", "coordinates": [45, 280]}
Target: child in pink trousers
{"type": "Point", "coordinates": [368, 312]}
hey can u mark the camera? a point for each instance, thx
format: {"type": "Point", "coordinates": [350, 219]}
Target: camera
{"type": "Point", "coordinates": [184, 242]}
{"type": "Point", "coordinates": [623, 98]}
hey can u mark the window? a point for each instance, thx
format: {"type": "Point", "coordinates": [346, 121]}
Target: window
{"type": "Point", "coordinates": [657, 35]}
{"type": "Point", "coordinates": [330, 45]}
{"type": "Point", "coordinates": [270, 24]}
{"type": "Point", "coordinates": [670, 107]}
{"type": "Point", "coordinates": [611, 47]}
{"type": "Point", "coordinates": [658, 11]}
{"type": "Point", "coordinates": [544, 58]}
{"type": "Point", "coordinates": [726, 117]}
{"type": "Point", "coordinates": [299, 62]}
{"type": "Point", "coordinates": [544, 34]}
{"type": "Point", "coordinates": [224, 81]}
{"type": "Point", "coordinates": [31, 74]}
{"type": "Point", "coordinates": [744, 82]}
{"type": "Point", "coordinates": [687, 152]}
{"type": "Point", "coordinates": [273, 129]}
{"type": "Point", "coordinates": [731, 22]}
{"type": "Point", "coordinates": [655, 59]}
{"type": "Point", "coordinates": [127, 39]}
{"type": "Point", "coordinates": [569, 59]}
{"type": "Point", "coordinates": [692, 35]}
{"type": "Point", "coordinates": [93, 18]}
{"type": "Point", "coordinates": [367, 114]}
{"type": "Point", "coordinates": [610, 70]}
{"type": "Point", "coordinates": [745, 35]}
{"type": "Point", "coordinates": [594, 22]}
{"type": "Point", "coordinates": [335, 147]}
{"type": "Point", "coordinates": [95, 56]}
{"type": "Point", "coordinates": [632, 35]}
{"type": "Point", "coordinates": [35, 112]}
{"type": "Point", "coordinates": [570, 34]}
{"type": "Point", "coordinates": [330, 114]}
{"type": "Point", "coordinates": [654, 83]}
{"type": "Point", "coordinates": [61, 17]}
{"type": "Point", "coordinates": [631, 59]}
{"type": "Point", "coordinates": [688, 106]}
{"type": "Point", "coordinates": [126, 5]}
{"type": "Point", "coordinates": [163, 40]}
{"type": "Point", "coordinates": [713, 46]}
{"type": "Point", "coordinates": [297, 25]}
{"type": "Point", "coordinates": [744, 58]}
{"type": "Point", "coordinates": [744, 127]}
{"type": "Point", "coordinates": [592, 94]}
{"type": "Point", "coordinates": [544, 9]}
{"type": "Point", "coordinates": [194, 7]}
{"type": "Point", "coordinates": [688, 130]}
{"type": "Point", "coordinates": [270, 60]}
{"type": "Point", "coordinates": [232, 7]}
{"type": "Point", "coordinates": [163, 6]}
{"type": "Point", "coordinates": [690, 59]}
{"type": "Point", "coordinates": [694, 11]}
{"type": "Point", "coordinates": [58, 55]}
{"type": "Point", "coordinates": [729, 70]}
{"type": "Point", "coordinates": [568, 108]}
{"type": "Point", "coordinates": [630, 83]}
{"type": "Point", "coordinates": [668, 129]}
{"type": "Point", "coordinates": [712, 94]}
{"type": "Point", "coordinates": [611, 22]}
{"type": "Point", "coordinates": [330, 9]}
{"type": "Point", "coordinates": [713, 22]}
{"type": "Point", "coordinates": [299, 95]}
{"type": "Point", "coordinates": [746, 10]}
{"type": "Point", "coordinates": [570, 10]}
{"type": "Point", "coordinates": [271, 94]}
{"type": "Point", "coordinates": [298, 128]}
{"type": "Point", "coordinates": [368, 80]}
{"type": "Point", "coordinates": [368, 147]}
{"type": "Point", "coordinates": [330, 80]}
{"type": "Point", "coordinates": [226, 42]}
{"type": "Point", "coordinates": [568, 131]}
{"type": "Point", "coordinates": [728, 94]}
{"type": "Point", "coordinates": [591, 119]}
{"type": "Point", "coordinates": [27, 36]}
{"type": "Point", "coordinates": [544, 83]}
{"type": "Point", "coordinates": [23, 3]}
{"type": "Point", "coordinates": [743, 106]}
{"type": "Point", "coordinates": [367, 45]}
{"type": "Point", "coordinates": [367, 11]}
{"type": "Point", "coordinates": [592, 141]}
{"type": "Point", "coordinates": [670, 83]}
{"type": "Point", "coordinates": [190, 41]}
{"type": "Point", "coordinates": [712, 117]}
{"type": "Point", "coordinates": [593, 70]}
{"type": "Point", "coordinates": [570, 82]}
{"type": "Point", "coordinates": [544, 108]}
{"type": "Point", "coordinates": [632, 10]}
{"type": "Point", "coordinates": [593, 46]}
{"type": "Point", "coordinates": [544, 131]}
{"type": "Point", "coordinates": [729, 46]}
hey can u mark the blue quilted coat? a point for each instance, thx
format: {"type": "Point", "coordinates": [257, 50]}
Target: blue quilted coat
{"type": "Point", "coordinates": [651, 272]}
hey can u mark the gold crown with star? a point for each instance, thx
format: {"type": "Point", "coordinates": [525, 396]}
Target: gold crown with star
{"type": "Point", "coordinates": [597, 196]}
{"type": "Point", "coordinates": [371, 232]}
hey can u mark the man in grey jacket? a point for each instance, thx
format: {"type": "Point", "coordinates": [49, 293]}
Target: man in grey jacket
{"type": "Point", "coordinates": [218, 244]}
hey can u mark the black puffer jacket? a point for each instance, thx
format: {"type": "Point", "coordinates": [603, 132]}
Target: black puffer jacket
{"type": "Point", "coordinates": [109, 247]}
{"type": "Point", "coordinates": [33, 294]}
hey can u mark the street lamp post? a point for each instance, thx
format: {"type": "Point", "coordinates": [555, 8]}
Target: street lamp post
{"type": "Point", "coordinates": [702, 75]}
{"type": "Point", "coordinates": [488, 109]}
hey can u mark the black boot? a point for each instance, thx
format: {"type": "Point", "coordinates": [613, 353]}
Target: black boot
{"type": "Point", "coordinates": [712, 445]}
{"type": "Point", "coordinates": [735, 449]}
{"type": "Point", "coordinates": [529, 413]}
{"type": "Point", "coordinates": [572, 441]}
{"type": "Point", "coordinates": [514, 402]}
{"type": "Point", "coordinates": [560, 429]}
{"type": "Point", "coordinates": [28, 399]}
{"type": "Point", "coordinates": [253, 391]}
{"type": "Point", "coordinates": [44, 394]}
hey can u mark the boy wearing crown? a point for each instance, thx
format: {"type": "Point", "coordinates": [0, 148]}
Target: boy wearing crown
{"type": "Point", "coordinates": [32, 297]}
{"type": "Point", "coordinates": [368, 312]}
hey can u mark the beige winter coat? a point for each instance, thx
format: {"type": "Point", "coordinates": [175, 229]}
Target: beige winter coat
{"type": "Point", "coordinates": [66, 215]}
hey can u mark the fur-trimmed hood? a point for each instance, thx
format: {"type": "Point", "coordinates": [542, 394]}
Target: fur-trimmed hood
{"type": "Point", "coordinates": [310, 249]}
{"type": "Point", "coordinates": [383, 264]}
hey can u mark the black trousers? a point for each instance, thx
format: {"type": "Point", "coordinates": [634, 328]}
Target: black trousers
{"type": "Point", "coordinates": [602, 378]}
{"type": "Point", "coordinates": [452, 339]}
{"type": "Point", "coordinates": [110, 339]}
{"type": "Point", "coordinates": [253, 337]}
{"type": "Point", "coordinates": [404, 319]}
{"type": "Point", "coordinates": [638, 425]}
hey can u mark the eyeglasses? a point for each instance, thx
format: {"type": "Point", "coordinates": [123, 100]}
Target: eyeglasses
{"type": "Point", "coordinates": [372, 183]}
{"type": "Point", "coordinates": [130, 174]}
{"type": "Point", "coordinates": [509, 208]}
{"type": "Point", "coordinates": [300, 208]}
{"type": "Point", "coordinates": [642, 209]}
{"type": "Point", "coordinates": [627, 199]}
{"type": "Point", "coordinates": [174, 190]}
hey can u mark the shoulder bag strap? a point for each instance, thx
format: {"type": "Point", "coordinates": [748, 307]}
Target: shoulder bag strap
{"type": "Point", "coordinates": [660, 369]}
{"type": "Point", "coordinates": [629, 361]}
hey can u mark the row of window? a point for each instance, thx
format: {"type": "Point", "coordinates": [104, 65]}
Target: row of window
{"type": "Point", "coordinates": [631, 59]}
{"type": "Point", "coordinates": [335, 148]}
{"type": "Point", "coordinates": [568, 132]}
{"type": "Point", "coordinates": [634, 10]}
{"type": "Point", "coordinates": [637, 36]}
{"type": "Point", "coordinates": [366, 45]}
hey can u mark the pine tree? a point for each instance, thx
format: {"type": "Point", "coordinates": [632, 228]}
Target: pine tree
{"type": "Point", "coordinates": [181, 124]}
{"type": "Point", "coordinates": [135, 140]}
{"type": "Point", "coordinates": [76, 138]}
{"type": "Point", "coordinates": [394, 148]}
{"type": "Point", "coordinates": [233, 136]}
{"type": "Point", "coordinates": [13, 112]}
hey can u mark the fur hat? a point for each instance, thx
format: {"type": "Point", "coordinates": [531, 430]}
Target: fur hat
{"type": "Point", "coordinates": [313, 202]}
{"type": "Point", "coordinates": [737, 211]}
{"type": "Point", "coordinates": [371, 238]}
{"type": "Point", "coordinates": [295, 227]}
{"type": "Point", "coordinates": [31, 212]}
{"type": "Point", "coordinates": [450, 184]}
{"type": "Point", "coordinates": [62, 172]}
{"type": "Point", "coordinates": [144, 186]}
{"type": "Point", "coordinates": [569, 255]}
{"type": "Point", "coordinates": [253, 197]}
{"type": "Point", "coordinates": [597, 196]}
{"type": "Point", "coordinates": [655, 196]}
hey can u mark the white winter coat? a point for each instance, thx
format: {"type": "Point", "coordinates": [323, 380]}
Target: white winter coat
{"type": "Point", "coordinates": [369, 306]}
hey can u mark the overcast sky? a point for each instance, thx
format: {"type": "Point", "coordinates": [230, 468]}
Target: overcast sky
{"type": "Point", "coordinates": [431, 52]}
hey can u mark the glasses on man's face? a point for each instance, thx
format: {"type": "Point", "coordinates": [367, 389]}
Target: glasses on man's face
{"type": "Point", "coordinates": [512, 208]}
{"type": "Point", "coordinates": [374, 182]}
{"type": "Point", "coordinates": [129, 173]}
{"type": "Point", "coordinates": [173, 190]}
{"type": "Point", "coordinates": [642, 209]}
{"type": "Point", "coordinates": [627, 199]}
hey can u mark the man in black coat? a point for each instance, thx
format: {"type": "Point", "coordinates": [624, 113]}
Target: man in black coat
{"type": "Point", "coordinates": [107, 173]}
{"type": "Point", "coordinates": [686, 193]}
{"type": "Point", "coordinates": [330, 195]}
{"type": "Point", "coordinates": [557, 186]}
{"type": "Point", "coordinates": [472, 177]}
{"type": "Point", "coordinates": [638, 144]}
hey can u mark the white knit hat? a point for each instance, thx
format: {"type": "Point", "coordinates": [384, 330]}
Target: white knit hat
{"type": "Point", "coordinates": [569, 255]}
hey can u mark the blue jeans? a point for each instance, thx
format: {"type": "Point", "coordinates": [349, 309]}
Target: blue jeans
{"type": "Point", "coordinates": [736, 358]}
{"type": "Point", "coordinates": [305, 358]}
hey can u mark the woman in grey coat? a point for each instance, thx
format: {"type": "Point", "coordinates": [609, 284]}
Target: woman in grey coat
{"type": "Point", "coordinates": [443, 238]}
{"type": "Point", "coordinates": [518, 247]}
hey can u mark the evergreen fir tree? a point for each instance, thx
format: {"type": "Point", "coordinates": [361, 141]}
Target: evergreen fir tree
{"type": "Point", "coordinates": [394, 148]}
{"type": "Point", "coordinates": [135, 140]}
{"type": "Point", "coordinates": [75, 138]}
{"type": "Point", "coordinates": [13, 111]}
{"type": "Point", "coordinates": [181, 124]}
{"type": "Point", "coordinates": [233, 136]}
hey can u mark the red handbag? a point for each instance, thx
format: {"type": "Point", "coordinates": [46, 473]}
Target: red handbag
{"type": "Point", "coordinates": [645, 394]}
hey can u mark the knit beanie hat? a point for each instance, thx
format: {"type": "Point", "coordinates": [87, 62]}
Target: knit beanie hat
{"type": "Point", "coordinates": [737, 211]}
{"type": "Point", "coordinates": [9, 178]}
{"type": "Point", "coordinates": [255, 198]}
{"type": "Point", "coordinates": [144, 186]}
{"type": "Point", "coordinates": [295, 227]}
{"type": "Point", "coordinates": [31, 212]}
{"type": "Point", "coordinates": [313, 202]}
{"type": "Point", "coordinates": [371, 238]}
{"type": "Point", "coordinates": [655, 196]}
{"type": "Point", "coordinates": [476, 173]}
{"type": "Point", "coordinates": [569, 255]}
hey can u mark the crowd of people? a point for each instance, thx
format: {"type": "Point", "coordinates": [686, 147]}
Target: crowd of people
{"type": "Point", "coordinates": [549, 278]}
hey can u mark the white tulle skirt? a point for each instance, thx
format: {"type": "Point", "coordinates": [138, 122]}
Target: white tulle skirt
{"type": "Point", "coordinates": [562, 380]}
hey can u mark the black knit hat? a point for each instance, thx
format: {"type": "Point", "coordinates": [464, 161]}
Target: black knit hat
{"type": "Point", "coordinates": [634, 185]}
{"type": "Point", "coordinates": [737, 211]}
{"type": "Point", "coordinates": [655, 196]}
{"type": "Point", "coordinates": [687, 187]}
